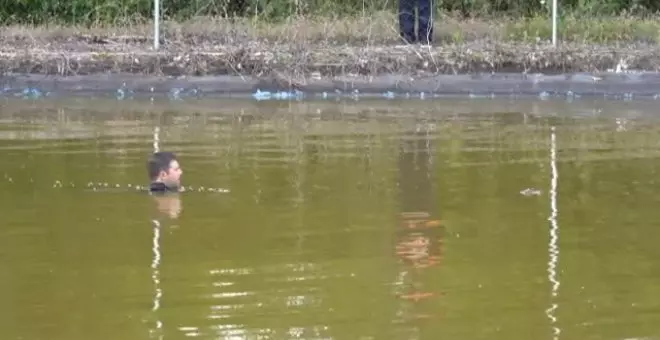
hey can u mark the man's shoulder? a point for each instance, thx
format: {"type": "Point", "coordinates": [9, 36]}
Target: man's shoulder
{"type": "Point", "coordinates": [162, 188]}
{"type": "Point", "coordinates": [158, 187]}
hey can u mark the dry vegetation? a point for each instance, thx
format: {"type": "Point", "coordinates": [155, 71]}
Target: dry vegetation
{"type": "Point", "coordinates": [329, 46]}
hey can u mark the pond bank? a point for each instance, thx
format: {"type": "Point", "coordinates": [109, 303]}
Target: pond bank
{"type": "Point", "coordinates": [84, 55]}
{"type": "Point", "coordinates": [229, 59]}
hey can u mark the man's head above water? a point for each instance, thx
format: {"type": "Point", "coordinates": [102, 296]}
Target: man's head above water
{"type": "Point", "coordinates": [164, 171]}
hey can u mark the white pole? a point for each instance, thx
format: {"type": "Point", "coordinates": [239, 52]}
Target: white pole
{"type": "Point", "coordinates": [554, 23]}
{"type": "Point", "coordinates": [156, 23]}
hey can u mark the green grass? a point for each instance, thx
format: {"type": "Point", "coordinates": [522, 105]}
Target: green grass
{"type": "Point", "coordinates": [581, 29]}
{"type": "Point", "coordinates": [377, 28]}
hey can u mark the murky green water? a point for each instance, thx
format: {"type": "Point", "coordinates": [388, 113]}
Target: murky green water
{"type": "Point", "coordinates": [382, 220]}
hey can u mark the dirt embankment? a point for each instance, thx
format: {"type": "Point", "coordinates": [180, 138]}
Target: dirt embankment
{"type": "Point", "coordinates": [84, 55]}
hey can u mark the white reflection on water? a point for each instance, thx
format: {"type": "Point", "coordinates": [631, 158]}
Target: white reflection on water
{"type": "Point", "coordinates": [190, 331]}
{"type": "Point", "coordinates": [224, 308]}
{"type": "Point", "coordinates": [155, 276]}
{"type": "Point", "coordinates": [156, 138]}
{"type": "Point", "coordinates": [553, 248]}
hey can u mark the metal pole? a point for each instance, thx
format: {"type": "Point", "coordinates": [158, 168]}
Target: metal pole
{"type": "Point", "coordinates": [156, 24]}
{"type": "Point", "coordinates": [554, 23]}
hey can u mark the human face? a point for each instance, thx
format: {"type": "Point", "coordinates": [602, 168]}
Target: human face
{"type": "Point", "coordinates": [172, 178]}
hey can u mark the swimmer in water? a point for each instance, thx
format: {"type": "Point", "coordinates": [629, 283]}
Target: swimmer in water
{"type": "Point", "coordinates": [164, 172]}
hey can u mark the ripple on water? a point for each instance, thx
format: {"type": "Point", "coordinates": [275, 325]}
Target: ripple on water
{"type": "Point", "coordinates": [222, 275]}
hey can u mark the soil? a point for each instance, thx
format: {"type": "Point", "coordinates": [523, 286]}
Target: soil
{"type": "Point", "coordinates": [85, 55]}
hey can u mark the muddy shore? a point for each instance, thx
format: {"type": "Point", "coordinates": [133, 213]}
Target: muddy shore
{"type": "Point", "coordinates": [88, 55]}
{"type": "Point", "coordinates": [196, 65]}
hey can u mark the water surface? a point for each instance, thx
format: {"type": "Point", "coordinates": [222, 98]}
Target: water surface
{"type": "Point", "coordinates": [459, 219]}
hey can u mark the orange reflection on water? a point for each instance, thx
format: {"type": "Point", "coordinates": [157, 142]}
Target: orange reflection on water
{"type": "Point", "coordinates": [418, 245]}
{"type": "Point", "coordinates": [419, 248]}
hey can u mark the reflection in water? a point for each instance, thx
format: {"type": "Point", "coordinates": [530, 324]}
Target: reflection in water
{"type": "Point", "coordinates": [309, 259]}
{"type": "Point", "coordinates": [554, 235]}
{"type": "Point", "coordinates": [288, 290]}
{"type": "Point", "coordinates": [169, 205]}
{"type": "Point", "coordinates": [418, 239]}
{"type": "Point", "coordinates": [156, 139]}
{"type": "Point", "coordinates": [155, 276]}
{"type": "Point", "coordinates": [165, 207]}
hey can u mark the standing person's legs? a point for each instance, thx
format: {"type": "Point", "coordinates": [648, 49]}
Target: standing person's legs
{"type": "Point", "coordinates": [407, 20]}
{"type": "Point", "coordinates": [426, 15]}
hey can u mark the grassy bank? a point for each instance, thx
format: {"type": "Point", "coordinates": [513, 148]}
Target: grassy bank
{"type": "Point", "coordinates": [378, 28]}
{"type": "Point", "coordinates": [86, 12]}
{"type": "Point", "coordinates": [330, 46]}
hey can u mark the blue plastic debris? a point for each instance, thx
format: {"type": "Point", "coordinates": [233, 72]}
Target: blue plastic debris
{"type": "Point", "coordinates": [30, 93]}
{"type": "Point", "coordinates": [121, 94]}
{"type": "Point", "coordinates": [388, 94]}
{"type": "Point", "coordinates": [281, 95]}
{"type": "Point", "coordinates": [175, 93]}
{"type": "Point", "coordinates": [544, 95]}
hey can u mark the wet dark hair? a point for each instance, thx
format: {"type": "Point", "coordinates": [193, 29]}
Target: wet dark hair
{"type": "Point", "coordinates": [159, 161]}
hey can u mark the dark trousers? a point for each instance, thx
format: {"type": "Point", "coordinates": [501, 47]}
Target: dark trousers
{"type": "Point", "coordinates": [407, 20]}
